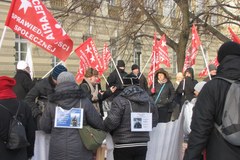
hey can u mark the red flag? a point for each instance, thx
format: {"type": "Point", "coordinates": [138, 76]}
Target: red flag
{"type": "Point", "coordinates": [88, 52]}
{"type": "Point", "coordinates": [31, 20]}
{"type": "Point", "coordinates": [106, 56]}
{"type": "Point", "coordinates": [204, 72]}
{"type": "Point", "coordinates": [163, 52]}
{"type": "Point", "coordinates": [191, 53]}
{"type": "Point", "coordinates": [159, 55]}
{"type": "Point", "coordinates": [234, 37]}
{"type": "Point", "coordinates": [154, 63]}
{"type": "Point", "coordinates": [81, 71]}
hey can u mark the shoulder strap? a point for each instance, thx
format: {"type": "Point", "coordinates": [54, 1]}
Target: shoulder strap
{"type": "Point", "coordinates": [9, 110]}
{"type": "Point", "coordinates": [225, 79]}
{"type": "Point", "coordinates": [159, 93]}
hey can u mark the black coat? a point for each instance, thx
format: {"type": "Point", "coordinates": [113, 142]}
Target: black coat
{"type": "Point", "coordinates": [207, 111]}
{"type": "Point", "coordinates": [114, 80]}
{"type": "Point", "coordinates": [26, 118]}
{"type": "Point", "coordinates": [23, 84]}
{"type": "Point", "coordinates": [40, 91]}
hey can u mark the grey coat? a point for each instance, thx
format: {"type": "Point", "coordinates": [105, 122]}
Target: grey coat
{"type": "Point", "coordinates": [118, 119]}
{"type": "Point", "coordinates": [66, 144]}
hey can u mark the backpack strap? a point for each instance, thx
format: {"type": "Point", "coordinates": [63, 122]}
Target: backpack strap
{"type": "Point", "coordinates": [9, 110]}
{"type": "Point", "coordinates": [225, 79]}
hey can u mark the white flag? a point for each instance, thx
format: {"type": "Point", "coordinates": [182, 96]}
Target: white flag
{"type": "Point", "coordinates": [28, 59]}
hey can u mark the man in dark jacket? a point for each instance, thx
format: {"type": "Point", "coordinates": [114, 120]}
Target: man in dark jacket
{"type": "Point", "coordinates": [208, 110]}
{"type": "Point", "coordinates": [41, 91]}
{"type": "Point", "coordinates": [23, 79]}
{"type": "Point", "coordinates": [129, 142]}
{"type": "Point", "coordinates": [185, 89]}
{"type": "Point", "coordinates": [213, 72]}
{"type": "Point", "coordinates": [142, 80]}
{"type": "Point", "coordinates": [114, 79]}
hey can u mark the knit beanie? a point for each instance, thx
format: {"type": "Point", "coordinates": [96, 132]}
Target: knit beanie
{"type": "Point", "coordinates": [228, 48]}
{"type": "Point", "coordinates": [65, 77]}
{"type": "Point", "coordinates": [199, 85]}
{"type": "Point", "coordinates": [91, 72]}
{"type": "Point", "coordinates": [120, 63]}
{"type": "Point", "coordinates": [212, 67]}
{"type": "Point", "coordinates": [21, 65]}
{"type": "Point", "coordinates": [57, 70]}
{"type": "Point", "coordinates": [135, 66]}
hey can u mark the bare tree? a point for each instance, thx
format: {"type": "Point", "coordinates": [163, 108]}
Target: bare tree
{"type": "Point", "coordinates": [134, 15]}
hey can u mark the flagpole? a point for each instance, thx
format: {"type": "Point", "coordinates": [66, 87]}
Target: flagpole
{"type": "Point", "coordinates": [3, 35]}
{"type": "Point", "coordinates": [105, 79]}
{"type": "Point", "coordinates": [144, 67]}
{"type": "Point", "coordinates": [154, 67]}
{"type": "Point", "coordinates": [205, 60]}
{"type": "Point", "coordinates": [117, 70]}
{"type": "Point", "coordinates": [56, 65]}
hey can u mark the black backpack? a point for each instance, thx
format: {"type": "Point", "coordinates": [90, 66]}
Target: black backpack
{"type": "Point", "coordinates": [230, 128]}
{"type": "Point", "coordinates": [16, 134]}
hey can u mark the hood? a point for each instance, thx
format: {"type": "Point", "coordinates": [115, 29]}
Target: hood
{"type": "Point", "coordinates": [229, 67]}
{"type": "Point", "coordinates": [189, 70]}
{"type": "Point", "coordinates": [161, 70]}
{"type": "Point", "coordinates": [67, 94]}
{"type": "Point", "coordinates": [135, 94]}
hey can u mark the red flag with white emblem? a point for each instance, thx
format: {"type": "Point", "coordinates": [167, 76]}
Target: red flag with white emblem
{"type": "Point", "coordinates": [159, 55]}
{"type": "Point", "coordinates": [191, 53]}
{"type": "Point", "coordinates": [81, 71]}
{"type": "Point", "coordinates": [106, 56]}
{"type": "Point", "coordinates": [89, 53]}
{"type": "Point", "coordinates": [32, 20]}
{"type": "Point", "coordinates": [234, 37]}
{"type": "Point", "coordinates": [204, 72]}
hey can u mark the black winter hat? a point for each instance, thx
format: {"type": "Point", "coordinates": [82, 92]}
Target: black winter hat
{"type": "Point", "coordinates": [135, 66]}
{"type": "Point", "coordinates": [57, 70]}
{"type": "Point", "coordinates": [120, 63]}
{"type": "Point", "coordinates": [228, 48]}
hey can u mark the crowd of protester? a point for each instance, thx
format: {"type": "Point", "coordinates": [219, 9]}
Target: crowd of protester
{"type": "Point", "coordinates": [129, 96]}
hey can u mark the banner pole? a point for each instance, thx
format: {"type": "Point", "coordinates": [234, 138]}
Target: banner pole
{"type": "Point", "coordinates": [56, 65]}
{"type": "Point", "coordinates": [144, 67]}
{"type": "Point", "coordinates": [205, 60]}
{"type": "Point", "coordinates": [3, 35]}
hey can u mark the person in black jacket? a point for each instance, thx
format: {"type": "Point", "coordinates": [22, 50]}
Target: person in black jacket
{"type": "Point", "coordinates": [164, 95]}
{"type": "Point", "coordinates": [209, 107]}
{"type": "Point", "coordinates": [37, 96]}
{"type": "Point", "coordinates": [9, 99]}
{"type": "Point", "coordinates": [23, 79]}
{"type": "Point", "coordinates": [142, 80]}
{"type": "Point", "coordinates": [114, 79]}
{"type": "Point", "coordinates": [185, 90]}
{"type": "Point", "coordinates": [130, 144]}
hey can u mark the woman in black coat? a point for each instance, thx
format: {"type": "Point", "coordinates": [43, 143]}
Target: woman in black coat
{"type": "Point", "coordinates": [8, 99]}
{"type": "Point", "coordinates": [164, 95]}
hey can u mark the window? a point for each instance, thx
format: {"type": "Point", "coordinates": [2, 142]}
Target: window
{"type": "Point", "coordinates": [199, 6]}
{"type": "Point", "coordinates": [137, 52]}
{"type": "Point", "coordinates": [150, 4]}
{"type": "Point", "coordinates": [169, 8]}
{"type": "Point", "coordinates": [21, 46]}
{"type": "Point", "coordinates": [113, 50]}
{"type": "Point", "coordinates": [112, 2]}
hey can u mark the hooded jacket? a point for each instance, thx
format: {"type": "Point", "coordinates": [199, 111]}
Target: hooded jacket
{"type": "Point", "coordinates": [66, 143]}
{"type": "Point", "coordinates": [207, 111]}
{"type": "Point", "coordinates": [118, 119]}
{"type": "Point", "coordinates": [167, 94]}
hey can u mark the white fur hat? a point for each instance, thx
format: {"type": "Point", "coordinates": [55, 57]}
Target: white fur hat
{"type": "Point", "coordinates": [22, 65]}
